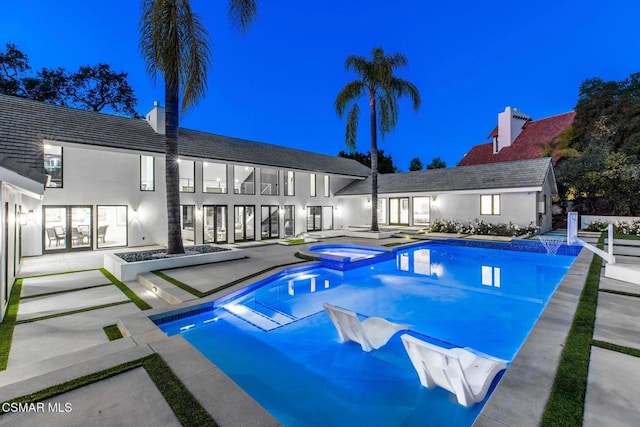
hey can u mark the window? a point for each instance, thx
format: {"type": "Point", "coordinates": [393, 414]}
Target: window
{"type": "Point", "coordinates": [490, 204]}
{"type": "Point", "coordinates": [187, 176]}
{"type": "Point", "coordinates": [314, 218]}
{"type": "Point", "coordinates": [53, 165]}
{"type": "Point", "coordinates": [421, 210]}
{"type": "Point", "coordinates": [214, 178]}
{"type": "Point", "coordinates": [111, 228]}
{"type": "Point", "coordinates": [312, 185]}
{"type": "Point", "coordinates": [269, 182]}
{"type": "Point", "coordinates": [215, 224]}
{"type": "Point", "coordinates": [147, 173]}
{"type": "Point", "coordinates": [244, 180]}
{"type": "Point", "coordinates": [289, 220]}
{"type": "Point", "coordinates": [382, 211]}
{"type": "Point", "coordinates": [327, 217]}
{"type": "Point", "coordinates": [244, 223]}
{"type": "Point", "coordinates": [327, 189]}
{"type": "Point", "coordinates": [187, 217]}
{"type": "Point", "coordinates": [270, 221]}
{"type": "Point", "coordinates": [399, 211]}
{"type": "Point", "coordinates": [289, 184]}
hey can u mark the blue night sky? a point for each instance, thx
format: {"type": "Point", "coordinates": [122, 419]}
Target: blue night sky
{"type": "Point", "coordinates": [277, 83]}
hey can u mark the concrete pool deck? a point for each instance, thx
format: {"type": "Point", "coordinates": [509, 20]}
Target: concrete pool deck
{"type": "Point", "coordinates": [53, 350]}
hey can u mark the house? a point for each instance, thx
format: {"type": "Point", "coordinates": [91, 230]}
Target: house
{"type": "Point", "coordinates": [518, 192]}
{"type": "Point", "coordinates": [76, 180]}
{"type": "Point", "coordinates": [517, 137]}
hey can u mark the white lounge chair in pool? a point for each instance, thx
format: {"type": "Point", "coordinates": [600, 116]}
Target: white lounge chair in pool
{"type": "Point", "coordinates": [457, 370]}
{"type": "Point", "coordinates": [372, 333]}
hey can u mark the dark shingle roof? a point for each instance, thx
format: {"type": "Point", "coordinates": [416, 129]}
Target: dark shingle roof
{"type": "Point", "coordinates": [525, 173]}
{"type": "Point", "coordinates": [22, 169]}
{"type": "Point", "coordinates": [24, 124]}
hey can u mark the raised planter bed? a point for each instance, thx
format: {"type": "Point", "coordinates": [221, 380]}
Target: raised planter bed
{"type": "Point", "coordinates": [145, 261]}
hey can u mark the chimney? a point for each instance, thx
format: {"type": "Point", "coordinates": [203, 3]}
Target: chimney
{"type": "Point", "coordinates": [510, 123]}
{"type": "Point", "coordinates": [155, 118]}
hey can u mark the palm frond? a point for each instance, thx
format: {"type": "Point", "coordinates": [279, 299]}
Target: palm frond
{"type": "Point", "coordinates": [360, 65]}
{"type": "Point", "coordinates": [402, 87]}
{"type": "Point", "coordinates": [242, 12]}
{"type": "Point", "coordinates": [348, 95]}
{"type": "Point", "coordinates": [352, 127]}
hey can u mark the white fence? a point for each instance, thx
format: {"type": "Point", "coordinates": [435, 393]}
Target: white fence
{"type": "Point", "coordinates": [585, 220]}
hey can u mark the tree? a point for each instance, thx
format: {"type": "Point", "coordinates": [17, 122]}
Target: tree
{"type": "Point", "coordinates": [385, 163]}
{"type": "Point", "coordinates": [415, 165]}
{"type": "Point", "coordinates": [93, 88]}
{"type": "Point", "coordinates": [175, 44]}
{"type": "Point", "coordinates": [377, 82]}
{"type": "Point", "coordinates": [437, 163]}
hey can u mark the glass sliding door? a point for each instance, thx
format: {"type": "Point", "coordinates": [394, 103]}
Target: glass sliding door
{"type": "Point", "coordinates": [112, 226]}
{"type": "Point", "coordinates": [269, 224]}
{"type": "Point", "coordinates": [67, 228]}
{"type": "Point", "coordinates": [244, 220]}
{"type": "Point", "coordinates": [399, 211]}
{"type": "Point", "coordinates": [314, 218]}
{"type": "Point", "coordinates": [289, 220]}
{"type": "Point", "coordinates": [327, 217]}
{"type": "Point", "coordinates": [215, 224]}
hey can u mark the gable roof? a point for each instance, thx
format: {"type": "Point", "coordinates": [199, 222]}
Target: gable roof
{"type": "Point", "coordinates": [525, 146]}
{"type": "Point", "coordinates": [24, 124]}
{"type": "Point", "coordinates": [520, 174]}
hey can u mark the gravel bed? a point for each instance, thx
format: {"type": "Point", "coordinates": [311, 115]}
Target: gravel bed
{"type": "Point", "coordinates": [162, 253]}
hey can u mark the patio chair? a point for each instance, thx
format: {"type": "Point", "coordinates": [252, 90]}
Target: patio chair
{"type": "Point", "coordinates": [372, 333]}
{"type": "Point", "coordinates": [458, 370]}
{"type": "Point", "coordinates": [102, 230]}
{"type": "Point", "coordinates": [53, 237]}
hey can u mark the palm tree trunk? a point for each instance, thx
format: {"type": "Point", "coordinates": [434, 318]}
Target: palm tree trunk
{"type": "Point", "coordinates": [174, 233]}
{"type": "Point", "coordinates": [374, 164]}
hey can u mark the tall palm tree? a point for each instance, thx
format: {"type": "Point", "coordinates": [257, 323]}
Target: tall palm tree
{"type": "Point", "coordinates": [175, 44]}
{"type": "Point", "coordinates": [377, 80]}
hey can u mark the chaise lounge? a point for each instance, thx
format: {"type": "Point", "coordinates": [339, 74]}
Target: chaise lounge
{"type": "Point", "coordinates": [372, 333]}
{"type": "Point", "coordinates": [457, 370]}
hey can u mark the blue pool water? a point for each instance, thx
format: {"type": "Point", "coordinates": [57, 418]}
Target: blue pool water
{"type": "Point", "coordinates": [277, 343]}
{"type": "Point", "coordinates": [353, 252]}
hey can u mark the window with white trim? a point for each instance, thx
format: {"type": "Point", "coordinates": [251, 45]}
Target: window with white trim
{"type": "Point", "coordinates": [490, 204]}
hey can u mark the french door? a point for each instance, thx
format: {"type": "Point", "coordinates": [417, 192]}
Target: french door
{"type": "Point", "coordinates": [244, 219]}
{"type": "Point", "coordinates": [67, 228]}
{"type": "Point", "coordinates": [215, 224]}
{"type": "Point", "coordinates": [314, 218]}
{"type": "Point", "coordinates": [399, 210]}
{"type": "Point", "coordinates": [269, 221]}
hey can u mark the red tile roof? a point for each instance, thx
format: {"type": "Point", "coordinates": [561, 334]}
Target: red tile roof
{"type": "Point", "coordinates": [525, 146]}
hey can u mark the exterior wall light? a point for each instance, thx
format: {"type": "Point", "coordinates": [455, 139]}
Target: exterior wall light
{"type": "Point", "coordinates": [22, 218]}
{"type": "Point", "coordinates": [31, 216]}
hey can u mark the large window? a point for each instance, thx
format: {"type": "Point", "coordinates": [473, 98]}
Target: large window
{"type": "Point", "coordinates": [244, 223]}
{"type": "Point", "coordinates": [215, 224]}
{"type": "Point", "coordinates": [269, 182]}
{"type": "Point", "coordinates": [214, 178]}
{"type": "Point", "coordinates": [290, 184]}
{"type": "Point", "coordinates": [269, 225]}
{"type": "Point", "coordinates": [147, 173]}
{"type": "Point", "coordinates": [188, 222]}
{"type": "Point", "coordinates": [53, 165]}
{"type": "Point", "coordinates": [490, 204]}
{"type": "Point", "coordinates": [327, 217]}
{"type": "Point", "coordinates": [289, 220]}
{"type": "Point", "coordinates": [312, 185]}
{"type": "Point", "coordinates": [382, 211]}
{"type": "Point", "coordinates": [421, 210]}
{"type": "Point", "coordinates": [187, 176]}
{"type": "Point", "coordinates": [111, 227]}
{"type": "Point", "coordinates": [244, 180]}
{"type": "Point", "coordinates": [68, 228]}
{"type": "Point", "coordinates": [327, 188]}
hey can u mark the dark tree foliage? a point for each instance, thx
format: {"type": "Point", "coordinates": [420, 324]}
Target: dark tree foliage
{"type": "Point", "coordinates": [93, 88]}
{"type": "Point", "coordinates": [415, 165]}
{"type": "Point", "coordinates": [385, 163]}
{"type": "Point", "coordinates": [437, 163]}
{"type": "Point", "coordinates": [608, 113]}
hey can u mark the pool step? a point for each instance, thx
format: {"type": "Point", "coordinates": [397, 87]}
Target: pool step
{"type": "Point", "coordinates": [260, 316]}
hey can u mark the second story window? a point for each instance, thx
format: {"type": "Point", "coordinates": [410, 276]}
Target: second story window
{"type": "Point", "coordinates": [327, 188]}
{"type": "Point", "coordinates": [290, 184]}
{"type": "Point", "coordinates": [187, 176]}
{"type": "Point", "coordinates": [214, 178]}
{"type": "Point", "coordinates": [269, 181]}
{"type": "Point", "coordinates": [147, 173]}
{"type": "Point", "coordinates": [53, 165]}
{"type": "Point", "coordinates": [312, 185]}
{"type": "Point", "coordinates": [244, 180]}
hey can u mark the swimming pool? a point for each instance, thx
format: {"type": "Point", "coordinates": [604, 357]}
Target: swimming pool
{"type": "Point", "coordinates": [276, 342]}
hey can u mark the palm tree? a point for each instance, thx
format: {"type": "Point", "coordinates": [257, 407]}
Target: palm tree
{"type": "Point", "coordinates": [175, 44]}
{"type": "Point", "coordinates": [376, 79]}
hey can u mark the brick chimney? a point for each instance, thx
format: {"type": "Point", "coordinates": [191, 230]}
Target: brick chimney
{"type": "Point", "coordinates": [510, 123]}
{"type": "Point", "coordinates": [155, 118]}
